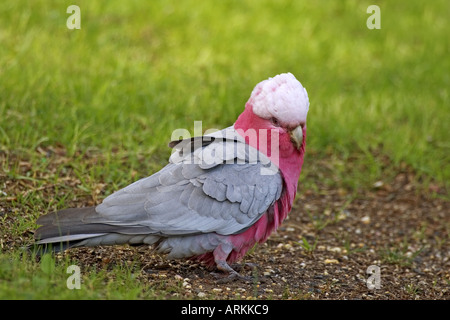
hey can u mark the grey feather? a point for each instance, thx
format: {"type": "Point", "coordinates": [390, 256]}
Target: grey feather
{"type": "Point", "coordinates": [199, 192]}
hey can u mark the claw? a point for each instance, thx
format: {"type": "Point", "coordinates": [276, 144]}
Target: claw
{"type": "Point", "coordinates": [221, 278]}
{"type": "Point", "coordinates": [232, 274]}
{"type": "Point", "coordinates": [251, 265]}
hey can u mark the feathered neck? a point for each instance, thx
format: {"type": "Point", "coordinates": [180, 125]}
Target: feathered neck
{"type": "Point", "coordinates": [289, 160]}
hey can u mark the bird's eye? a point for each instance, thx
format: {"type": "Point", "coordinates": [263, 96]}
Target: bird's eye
{"type": "Point", "coordinates": [275, 122]}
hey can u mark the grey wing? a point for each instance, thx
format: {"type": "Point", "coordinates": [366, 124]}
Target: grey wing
{"type": "Point", "coordinates": [226, 194]}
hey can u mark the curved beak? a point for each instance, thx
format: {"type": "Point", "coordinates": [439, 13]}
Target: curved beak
{"type": "Point", "coordinates": [297, 136]}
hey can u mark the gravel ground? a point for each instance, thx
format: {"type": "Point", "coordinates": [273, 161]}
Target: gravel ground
{"type": "Point", "coordinates": [325, 252]}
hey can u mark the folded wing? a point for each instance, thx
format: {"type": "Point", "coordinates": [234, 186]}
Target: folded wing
{"type": "Point", "coordinates": [214, 183]}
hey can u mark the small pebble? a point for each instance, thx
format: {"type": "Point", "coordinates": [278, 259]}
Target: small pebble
{"type": "Point", "coordinates": [331, 261]}
{"type": "Point", "coordinates": [365, 220]}
{"type": "Point", "coordinates": [378, 184]}
{"type": "Point", "coordinates": [335, 249]}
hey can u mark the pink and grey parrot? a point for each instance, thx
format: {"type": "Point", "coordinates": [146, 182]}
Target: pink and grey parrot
{"type": "Point", "coordinates": [219, 195]}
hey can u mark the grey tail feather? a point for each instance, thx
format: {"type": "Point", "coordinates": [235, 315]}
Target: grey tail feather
{"type": "Point", "coordinates": [41, 249]}
{"type": "Point", "coordinates": [65, 229]}
{"type": "Point", "coordinates": [77, 227]}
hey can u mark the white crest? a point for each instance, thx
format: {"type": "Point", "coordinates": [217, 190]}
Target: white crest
{"type": "Point", "coordinates": [282, 97]}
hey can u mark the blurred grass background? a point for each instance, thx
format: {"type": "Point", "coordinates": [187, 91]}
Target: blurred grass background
{"type": "Point", "coordinates": [137, 70]}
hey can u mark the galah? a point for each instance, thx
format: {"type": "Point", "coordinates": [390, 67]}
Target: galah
{"type": "Point", "coordinates": [218, 196]}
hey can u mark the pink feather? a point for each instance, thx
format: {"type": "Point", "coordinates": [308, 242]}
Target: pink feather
{"type": "Point", "coordinates": [290, 161]}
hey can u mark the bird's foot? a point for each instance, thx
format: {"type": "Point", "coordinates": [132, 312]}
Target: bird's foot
{"type": "Point", "coordinates": [230, 277]}
{"type": "Point", "coordinates": [247, 265]}
{"type": "Point", "coordinates": [229, 274]}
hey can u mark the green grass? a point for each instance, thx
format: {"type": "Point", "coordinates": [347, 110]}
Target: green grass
{"type": "Point", "coordinates": [309, 248]}
{"type": "Point", "coordinates": [23, 276]}
{"type": "Point", "coordinates": [110, 95]}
